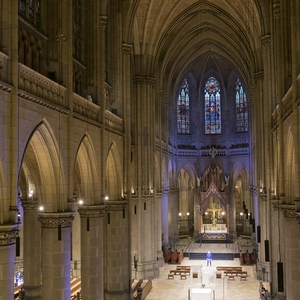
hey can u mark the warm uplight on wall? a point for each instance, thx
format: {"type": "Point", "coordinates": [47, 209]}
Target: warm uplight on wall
{"type": "Point", "coordinates": [31, 193]}
{"type": "Point", "coordinates": [261, 190]}
{"type": "Point", "coordinates": [151, 190]}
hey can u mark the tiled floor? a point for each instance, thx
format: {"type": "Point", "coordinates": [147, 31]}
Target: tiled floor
{"type": "Point", "coordinates": [222, 289]}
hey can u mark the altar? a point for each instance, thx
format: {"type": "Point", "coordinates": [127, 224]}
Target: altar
{"type": "Point", "coordinates": [214, 232]}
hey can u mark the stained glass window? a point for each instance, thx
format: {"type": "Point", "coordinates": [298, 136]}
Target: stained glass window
{"type": "Point", "coordinates": [241, 108]}
{"type": "Point", "coordinates": [183, 109]}
{"type": "Point", "coordinates": [212, 106]}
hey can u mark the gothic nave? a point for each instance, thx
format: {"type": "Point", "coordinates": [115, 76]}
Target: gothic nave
{"type": "Point", "coordinates": [129, 125]}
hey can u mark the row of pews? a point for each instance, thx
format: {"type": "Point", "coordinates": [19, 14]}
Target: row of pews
{"type": "Point", "coordinates": [142, 287]}
{"type": "Point", "coordinates": [182, 271]}
{"type": "Point", "coordinates": [75, 290]}
{"type": "Point", "coordinates": [231, 272]}
{"type": "Point", "coordinates": [173, 257]}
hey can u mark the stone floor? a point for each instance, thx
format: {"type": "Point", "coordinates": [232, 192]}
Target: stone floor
{"type": "Point", "coordinates": [222, 289]}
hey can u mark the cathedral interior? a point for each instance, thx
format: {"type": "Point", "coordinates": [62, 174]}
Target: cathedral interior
{"type": "Point", "coordinates": [129, 125]}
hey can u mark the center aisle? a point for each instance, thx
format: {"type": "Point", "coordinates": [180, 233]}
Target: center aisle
{"type": "Point", "coordinates": [177, 288]}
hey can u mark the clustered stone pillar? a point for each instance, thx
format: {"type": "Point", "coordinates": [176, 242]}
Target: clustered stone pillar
{"type": "Point", "coordinates": [92, 279]}
{"type": "Point", "coordinates": [117, 251]}
{"type": "Point", "coordinates": [8, 234]}
{"type": "Point", "coordinates": [56, 255]}
{"type": "Point", "coordinates": [32, 250]}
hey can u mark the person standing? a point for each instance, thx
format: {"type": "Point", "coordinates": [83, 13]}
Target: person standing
{"type": "Point", "coordinates": [208, 258]}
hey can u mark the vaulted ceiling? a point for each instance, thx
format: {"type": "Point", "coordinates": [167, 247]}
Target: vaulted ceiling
{"type": "Point", "coordinates": [173, 37]}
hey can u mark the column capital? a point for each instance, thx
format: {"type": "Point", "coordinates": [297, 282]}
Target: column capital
{"type": "Point", "coordinates": [8, 234]}
{"type": "Point", "coordinates": [126, 48]}
{"type": "Point", "coordinates": [144, 80]}
{"type": "Point", "coordinates": [266, 40]}
{"type": "Point", "coordinates": [53, 220]}
{"type": "Point", "coordinates": [29, 204]}
{"type": "Point", "coordinates": [259, 75]}
{"type": "Point", "coordinates": [103, 21]}
{"type": "Point", "coordinates": [91, 211]}
{"type": "Point", "coordinates": [288, 210]}
{"type": "Point", "coordinates": [115, 205]}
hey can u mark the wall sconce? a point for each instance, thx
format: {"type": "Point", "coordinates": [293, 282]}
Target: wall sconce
{"type": "Point", "coordinates": [80, 202]}
{"type": "Point", "coordinates": [106, 198]}
{"type": "Point", "coordinates": [180, 214]}
{"type": "Point", "coordinates": [188, 213]}
{"type": "Point", "coordinates": [223, 213]}
{"type": "Point", "coordinates": [206, 213]}
{"type": "Point", "coordinates": [151, 190]}
{"type": "Point", "coordinates": [261, 190]}
{"type": "Point", "coordinates": [31, 192]}
{"type": "Point", "coordinates": [41, 208]}
{"type": "Point", "coordinates": [241, 213]}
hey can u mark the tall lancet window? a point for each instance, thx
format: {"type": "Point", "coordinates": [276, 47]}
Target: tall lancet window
{"type": "Point", "coordinates": [242, 124]}
{"type": "Point", "coordinates": [212, 106]}
{"type": "Point", "coordinates": [77, 30]}
{"type": "Point", "coordinates": [183, 109]}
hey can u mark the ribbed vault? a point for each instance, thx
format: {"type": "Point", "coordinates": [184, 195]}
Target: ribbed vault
{"type": "Point", "coordinates": [174, 36]}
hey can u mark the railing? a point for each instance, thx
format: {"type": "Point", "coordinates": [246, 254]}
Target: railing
{"type": "Point", "coordinates": [38, 88]}
{"type": "Point", "coordinates": [113, 122]}
{"type": "Point", "coordinates": [85, 108]}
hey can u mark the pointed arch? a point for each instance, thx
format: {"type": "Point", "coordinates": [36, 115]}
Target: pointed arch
{"type": "Point", "coordinates": [183, 108]}
{"type": "Point", "coordinates": [212, 99]}
{"type": "Point", "coordinates": [85, 174]}
{"type": "Point", "coordinates": [42, 169]}
{"type": "Point", "coordinates": [289, 168]}
{"type": "Point", "coordinates": [2, 193]}
{"type": "Point", "coordinates": [113, 174]}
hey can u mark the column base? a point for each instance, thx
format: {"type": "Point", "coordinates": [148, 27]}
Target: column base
{"type": "Point", "coordinates": [146, 271]}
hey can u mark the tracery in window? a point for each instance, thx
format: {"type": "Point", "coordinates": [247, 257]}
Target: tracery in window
{"type": "Point", "coordinates": [183, 109]}
{"type": "Point", "coordinates": [212, 106]}
{"type": "Point", "coordinates": [31, 11]}
{"type": "Point", "coordinates": [242, 124]}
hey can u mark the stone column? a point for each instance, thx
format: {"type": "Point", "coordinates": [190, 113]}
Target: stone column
{"type": "Point", "coordinates": [117, 251]}
{"type": "Point", "coordinates": [158, 228]}
{"type": "Point", "coordinates": [56, 255]}
{"type": "Point", "coordinates": [32, 250]}
{"type": "Point", "coordinates": [164, 217]}
{"type": "Point", "coordinates": [92, 279]}
{"type": "Point", "coordinates": [8, 234]}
